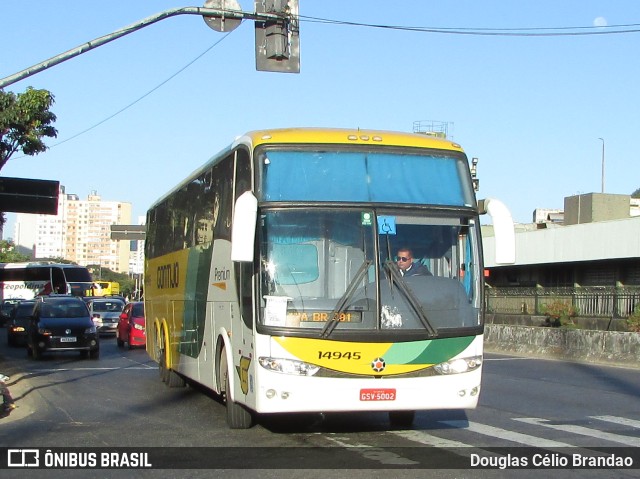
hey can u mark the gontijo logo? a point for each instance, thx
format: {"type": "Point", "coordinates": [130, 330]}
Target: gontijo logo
{"type": "Point", "coordinates": [168, 276]}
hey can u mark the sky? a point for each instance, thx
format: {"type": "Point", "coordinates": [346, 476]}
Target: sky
{"type": "Point", "coordinates": [139, 114]}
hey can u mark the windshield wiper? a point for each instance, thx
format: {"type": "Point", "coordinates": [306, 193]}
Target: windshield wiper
{"type": "Point", "coordinates": [348, 294]}
{"type": "Point", "coordinates": [396, 278]}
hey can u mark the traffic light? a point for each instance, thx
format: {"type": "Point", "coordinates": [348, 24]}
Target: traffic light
{"type": "Point", "coordinates": [277, 39]}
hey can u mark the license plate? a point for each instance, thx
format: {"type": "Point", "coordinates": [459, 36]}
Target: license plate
{"type": "Point", "coordinates": [68, 339]}
{"type": "Point", "coordinates": [384, 394]}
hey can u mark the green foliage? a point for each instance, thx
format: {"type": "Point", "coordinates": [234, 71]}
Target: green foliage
{"type": "Point", "coordinates": [560, 313]}
{"type": "Point", "coordinates": [633, 322]}
{"type": "Point", "coordinates": [58, 259]}
{"type": "Point", "coordinates": [636, 194]}
{"type": "Point", "coordinates": [24, 120]}
{"type": "Point", "coordinates": [8, 254]}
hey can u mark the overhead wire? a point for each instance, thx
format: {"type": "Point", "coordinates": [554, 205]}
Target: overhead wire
{"type": "Point", "coordinates": [508, 32]}
{"type": "Point", "coordinates": [524, 32]}
{"type": "Point", "coordinates": [143, 96]}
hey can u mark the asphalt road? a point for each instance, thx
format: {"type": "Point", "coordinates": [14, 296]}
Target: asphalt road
{"type": "Point", "coordinates": [527, 406]}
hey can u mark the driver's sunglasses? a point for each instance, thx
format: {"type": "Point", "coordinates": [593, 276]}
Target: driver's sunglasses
{"type": "Point", "coordinates": [403, 258]}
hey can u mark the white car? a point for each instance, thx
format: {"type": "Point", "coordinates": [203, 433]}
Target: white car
{"type": "Point", "coordinates": [105, 313]}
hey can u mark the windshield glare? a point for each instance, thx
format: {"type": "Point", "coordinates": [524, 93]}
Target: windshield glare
{"type": "Point", "coordinates": [323, 263]}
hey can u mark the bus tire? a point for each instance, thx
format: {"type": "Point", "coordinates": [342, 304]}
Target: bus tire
{"type": "Point", "coordinates": [174, 380]}
{"type": "Point", "coordinates": [162, 367]}
{"type": "Point", "coordinates": [402, 418]}
{"type": "Point", "coordinates": [162, 358]}
{"type": "Point", "coordinates": [238, 417]}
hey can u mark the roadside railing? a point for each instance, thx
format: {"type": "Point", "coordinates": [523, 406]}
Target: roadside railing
{"type": "Point", "coordinates": [588, 301]}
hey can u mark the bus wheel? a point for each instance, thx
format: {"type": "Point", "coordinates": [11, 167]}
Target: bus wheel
{"type": "Point", "coordinates": [237, 416]}
{"type": "Point", "coordinates": [162, 359]}
{"type": "Point", "coordinates": [174, 380]}
{"type": "Point", "coordinates": [401, 418]}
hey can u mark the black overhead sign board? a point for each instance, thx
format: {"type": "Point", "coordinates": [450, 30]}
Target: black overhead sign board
{"type": "Point", "coordinates": [22, 195]}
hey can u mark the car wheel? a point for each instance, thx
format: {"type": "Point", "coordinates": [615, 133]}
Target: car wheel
{"type": "Point", "coordinates": [129, 345]}
{"type": "Point", "coordinates": [95, 354]}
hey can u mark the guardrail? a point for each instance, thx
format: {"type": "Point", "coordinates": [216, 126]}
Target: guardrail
{"type": "Point", "coordinates": [592, 302]}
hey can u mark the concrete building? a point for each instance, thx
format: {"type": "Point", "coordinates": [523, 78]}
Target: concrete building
{"type": "Point", "coordinates": [598, 245]}
{"type": "Point", "coordinates": [80, 232]}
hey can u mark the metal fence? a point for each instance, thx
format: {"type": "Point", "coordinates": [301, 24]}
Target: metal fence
{"type": "Point", "coordinates": [588, 302]}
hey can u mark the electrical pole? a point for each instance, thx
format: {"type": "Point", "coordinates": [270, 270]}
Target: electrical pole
{"type": "Point", "coordinates": [602, 139]}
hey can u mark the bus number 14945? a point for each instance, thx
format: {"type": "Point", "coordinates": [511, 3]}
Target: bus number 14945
{"type": "Point", "coordinates": [339, 355]}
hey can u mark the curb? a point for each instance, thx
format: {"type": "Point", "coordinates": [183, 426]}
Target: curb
{"type": "Point", "coordinates": [601, 347]}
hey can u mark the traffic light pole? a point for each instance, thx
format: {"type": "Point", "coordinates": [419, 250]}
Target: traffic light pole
{"type": "Point", "coordinates": [85, 47]}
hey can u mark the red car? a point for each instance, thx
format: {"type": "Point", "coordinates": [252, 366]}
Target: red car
{"type": "Point", "coordinates": [131, 325]}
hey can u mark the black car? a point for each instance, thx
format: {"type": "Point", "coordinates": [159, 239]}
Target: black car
{"type": "Point", "coordinates": [18, 323]}
{"type": "Point", "coordinates": [6, 307]}
{"type": "Point", "coordinates": [62, 323]}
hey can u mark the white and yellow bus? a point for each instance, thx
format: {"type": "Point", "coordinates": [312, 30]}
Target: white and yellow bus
{"type": "Point", "coordinates": [272, 275]}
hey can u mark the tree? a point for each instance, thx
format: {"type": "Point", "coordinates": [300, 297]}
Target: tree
{"type": "Point", "coordinates": [8, 254]}
{"type": "Point", "coordinates": [636, 194]}
{"type": "Point", "coordinates": [25, 119]}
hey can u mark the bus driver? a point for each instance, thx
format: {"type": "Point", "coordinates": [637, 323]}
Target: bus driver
{"type": "Point", "coordinates": [407, 266]}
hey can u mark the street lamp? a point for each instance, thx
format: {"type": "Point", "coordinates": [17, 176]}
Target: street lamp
{"type": "Point", "coordinates": [602, 139]}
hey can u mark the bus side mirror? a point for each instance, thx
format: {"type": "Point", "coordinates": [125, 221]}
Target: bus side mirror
{"type": "Point", "coordinates": [243, 231]}
{"type": "Point", "coordinates": [505, 236]}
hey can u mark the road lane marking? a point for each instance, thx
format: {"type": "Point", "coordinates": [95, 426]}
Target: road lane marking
{"type": "Point", "coordinates": [512, 436]}
{"type": "Point", "coordinates": [618, 420]}
{"type": "Point", "coordinates": [373, 453]}
{"type": "Point", "coordinates": [583, 431]}
{"type": "Point", "coordinates": [59, 370]}
{"type": "Point", "coordinates": [514, 358]}
{"type": "Point", "coordinates": [429, 439]}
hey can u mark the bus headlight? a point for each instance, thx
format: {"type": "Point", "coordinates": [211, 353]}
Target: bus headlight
{"type": "Point", "coordinates": [460, 365]}
{"type": "Point", "coordinates": [288, 366]}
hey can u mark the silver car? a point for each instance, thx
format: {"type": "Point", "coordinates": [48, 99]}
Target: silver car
{"type": "Point", "coordinates": [105, 314]}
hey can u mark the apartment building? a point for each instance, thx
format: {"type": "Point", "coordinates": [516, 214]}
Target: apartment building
{"type": "Point", "coordinates": [80, 232]}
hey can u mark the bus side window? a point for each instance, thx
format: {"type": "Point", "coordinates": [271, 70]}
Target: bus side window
{"type": "Point", "coordinates": [58, 282]}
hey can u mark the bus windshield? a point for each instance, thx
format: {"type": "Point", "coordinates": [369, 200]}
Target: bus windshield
{"type": "Point", "coordinates": [320, 266]}
{"type": "Point", "coordinates": [388, 176]}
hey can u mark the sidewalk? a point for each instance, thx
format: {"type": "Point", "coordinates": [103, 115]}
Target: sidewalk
{"type": "Point", "coordinates": [19, 388]}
